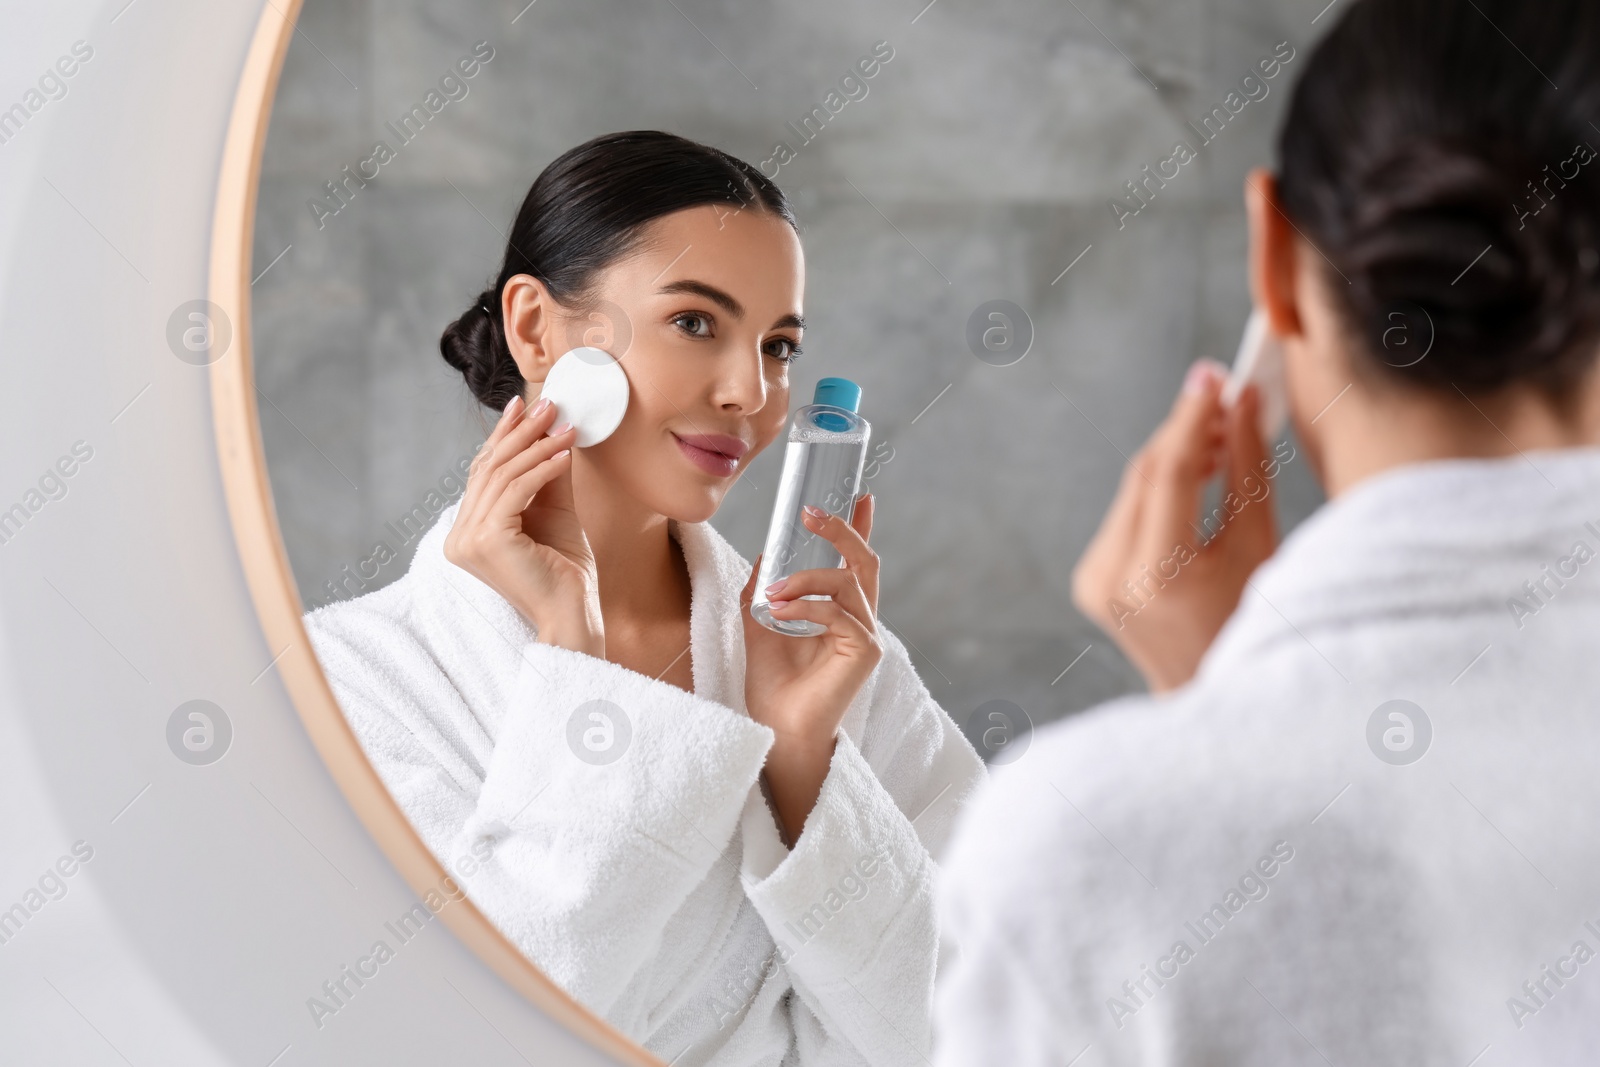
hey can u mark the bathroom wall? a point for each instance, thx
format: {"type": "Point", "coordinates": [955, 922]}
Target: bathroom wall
{"type": "Point", "coordinates": [981, 164]}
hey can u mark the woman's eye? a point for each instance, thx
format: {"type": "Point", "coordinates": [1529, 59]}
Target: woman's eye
{"type": "Point", "coordinates": [700, 325]}
{"type": "Point", "coordinates": [783, 349]}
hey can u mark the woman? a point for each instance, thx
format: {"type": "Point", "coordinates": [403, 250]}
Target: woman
{"type": "Point", "coordinates": [718, 837]}
{"type": "Point", "coordinates": [1355, 823]}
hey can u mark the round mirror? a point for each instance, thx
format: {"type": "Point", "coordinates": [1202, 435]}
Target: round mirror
{"type": "Point", "coordinates": [568, 717]}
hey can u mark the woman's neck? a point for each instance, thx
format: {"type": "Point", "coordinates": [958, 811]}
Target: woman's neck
{"type": "Point", "coordinates": [1391, 429]}
{"type": "Point", "coordinates": [643, 577]}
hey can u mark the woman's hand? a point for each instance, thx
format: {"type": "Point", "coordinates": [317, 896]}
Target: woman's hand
{"type": "Point", "coordinates": [517, 532]}
{"type": "Point", "coordinates": [801, 686]}
{"type": "Point", "coordinates": [1146, 579]}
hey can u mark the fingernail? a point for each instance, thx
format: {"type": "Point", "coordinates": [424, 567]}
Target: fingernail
{"type": "Point", "coordinates": [510, 408]}
{"type": "Point", "coordinates": [777, 603]}
{"type": "Point", "coordinates": [815, 512]}
{"type": "Point", "coordinates": [1200, 377]}
{"type": "Point", "coordinates": [539, 408]}
{"type": "Point", "coordinates": [563, 452]}
{"type": "Point", "coordinates": [559, 430]}
{"type": "Point", "coordinates": [777, 585]}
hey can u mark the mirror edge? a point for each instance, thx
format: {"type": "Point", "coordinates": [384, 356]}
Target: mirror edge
{"type": "Point", "coordinates": [266, 564]}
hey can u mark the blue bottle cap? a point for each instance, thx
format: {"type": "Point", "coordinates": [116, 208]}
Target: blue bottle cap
{"type": "Point", "coordinates": [839, 393]}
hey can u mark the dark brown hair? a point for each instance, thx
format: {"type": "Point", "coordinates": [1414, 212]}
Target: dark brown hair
{"type": "Point", "coordinates": [1429, 155]}
{"type": "Point", "coordinates": [586, 210]}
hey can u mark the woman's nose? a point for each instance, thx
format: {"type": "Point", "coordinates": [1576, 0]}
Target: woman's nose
{"type": "Point", "coordinates": [742, 386]}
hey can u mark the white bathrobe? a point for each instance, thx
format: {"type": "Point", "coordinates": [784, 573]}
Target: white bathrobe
{"type": "Point", "coordinates": [1233, 875]}
{"type": "Point", "coordinates": [633, 856]}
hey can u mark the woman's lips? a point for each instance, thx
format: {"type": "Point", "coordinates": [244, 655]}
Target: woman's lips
{"type": "Point", "coordinates": [716, 454]}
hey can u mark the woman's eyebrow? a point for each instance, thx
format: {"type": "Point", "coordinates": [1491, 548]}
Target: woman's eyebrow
{"type": "Point", "coordinates": [710, 292]}
{"type": "Point", "coordinates": [726, 301]}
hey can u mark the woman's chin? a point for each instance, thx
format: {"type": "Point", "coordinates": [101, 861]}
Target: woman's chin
{"type": "Point", "coordinates": [694, 503]}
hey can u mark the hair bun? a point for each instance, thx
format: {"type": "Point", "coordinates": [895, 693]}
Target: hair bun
{"type": "Point", "coordinates": [1439, 228]}
{"type": "Point", "coordinates": [473, 346]}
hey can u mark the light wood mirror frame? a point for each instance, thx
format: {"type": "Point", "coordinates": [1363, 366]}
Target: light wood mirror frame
{"type": "Point", "coordinates": [266, 562]}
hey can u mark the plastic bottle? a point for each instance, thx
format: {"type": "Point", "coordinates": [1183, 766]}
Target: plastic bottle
{"type": "Point", "coordinates": [822, 467]}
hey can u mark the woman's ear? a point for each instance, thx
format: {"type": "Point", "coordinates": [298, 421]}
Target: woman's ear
{"type": "Point", "coordinates": [1272, 253]}
{"type": "Point", "coordinates": [532, 322]}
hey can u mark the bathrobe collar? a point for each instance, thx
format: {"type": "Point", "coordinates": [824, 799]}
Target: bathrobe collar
{"type": "Point", "coordinates": [717, 574]}
{"type": "Point", "coordinates": [1441, 538]}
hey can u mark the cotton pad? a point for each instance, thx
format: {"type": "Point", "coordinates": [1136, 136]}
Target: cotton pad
{"type": "Point", "coordinates": [590, 391]}
{"type": "Point", "coordinates": [1260, 360]}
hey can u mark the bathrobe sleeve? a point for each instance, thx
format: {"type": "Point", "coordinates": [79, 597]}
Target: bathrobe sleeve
{"type": "Point", "coordinates": [580, 830]}
{"type": "Point", "coordinates": [852, 907]}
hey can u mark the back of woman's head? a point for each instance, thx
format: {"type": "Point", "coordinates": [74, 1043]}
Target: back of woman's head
{"type": "Point", "coordinates": [1438, 154]}
{"type": "Point", "coordinates": [585, 211]}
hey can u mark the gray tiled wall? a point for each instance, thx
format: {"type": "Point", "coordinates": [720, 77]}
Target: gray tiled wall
{"type": "Point", "coordinates": [981, 162]}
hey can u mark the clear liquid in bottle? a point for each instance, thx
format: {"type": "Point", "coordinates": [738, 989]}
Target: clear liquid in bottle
{"type": "Point", "coordinates": [822, 466]}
